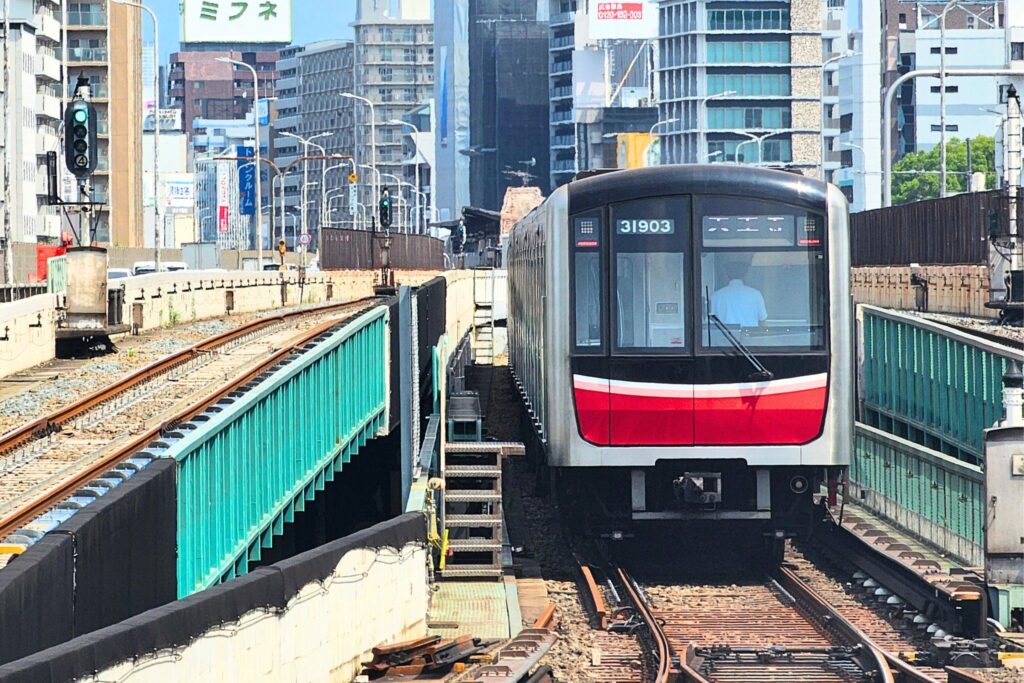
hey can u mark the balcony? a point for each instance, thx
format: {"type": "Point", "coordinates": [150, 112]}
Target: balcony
{"type": "Point", "coordinates": [562, 19]}
{"type": "Point", "coordinates": [562, 141]}
{"type": "Point", "coordinates": [567, 166]}
{"type": "Point", "coordinates": [80, 55]}
{"type": "Point", "coordinates": [559, 117]}
{"type": "Point", "coordinates": [561, 67]}
{"type": "Point", "coordinates": [833, 157]}
{"type": "Point", "coordinates": [830, 91]}
{"type": "Point", "coordinates": [562, 42]}
{"type": "Point", "coordinates": [49, 28]}
{"type": "Point", "coordinates": [89, 19]}
{"type": "Point", "coordinates": [48, 67]}
{"type": "Point", "coordinates": [561, 91]}
{"type": "Point", "coordinates": [47, 105]}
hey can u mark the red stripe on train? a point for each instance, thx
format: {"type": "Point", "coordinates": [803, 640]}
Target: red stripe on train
{"type": "Point", "coordinates": [745, 418]}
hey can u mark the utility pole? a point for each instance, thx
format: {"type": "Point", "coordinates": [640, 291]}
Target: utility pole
{"type": "Point", "coordinates": [8, 237]}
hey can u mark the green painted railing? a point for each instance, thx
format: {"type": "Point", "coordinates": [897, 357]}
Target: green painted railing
{"type": "Point", "coordinates": [936, 497]}
{"type": "Point", "coordinates": [928, 383]}
{"type": "Point", "coordinates": [244, 473]}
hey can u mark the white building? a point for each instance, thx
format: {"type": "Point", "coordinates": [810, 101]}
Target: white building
{"type": "Point", "coordinates": [859, 144]}
{"type": "Point", "coordinates": [34, 101]}
{"type": "Point", "coordinates": [966, 98]}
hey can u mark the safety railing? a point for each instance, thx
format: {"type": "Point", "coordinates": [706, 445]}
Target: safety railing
{"type": "Point", "coordinates": [247, 469]}
{"type": "Point", "coordinates": [936, 497]}
{"type": "Point", "coordinates": [928, 383]}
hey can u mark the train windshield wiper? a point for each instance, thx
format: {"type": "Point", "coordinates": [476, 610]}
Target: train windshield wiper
{"type": "Point", "coordinates": [761, 373]}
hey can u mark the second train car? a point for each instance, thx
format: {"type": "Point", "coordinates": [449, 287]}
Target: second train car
{"type": "Point", "coordinates": [681, 337]}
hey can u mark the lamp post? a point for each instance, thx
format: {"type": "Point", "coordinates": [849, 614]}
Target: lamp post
{"type": "Point", "coordinates": [709, 157]}
{"type": "Point", "coordinates": [830, 60]}
{"type": "Point", "coordinates": [157, 237]}
{"type": "Point", "coordinates": [759, 139]}
{"type": "Point", "coordinates": [373, 137]}
{"type": "Point", "coordinates": [259, 173]}
{"type": "Point", "coordinates": [942, 95]}
{"type": "Point", "coordinates": [702, 125]}
{"type": "Point", "coordinates": [375, 182]}
{"type": "Point", "coordinates": [416, 162]}
{"type": "Point", "coordinates": [305, 173]}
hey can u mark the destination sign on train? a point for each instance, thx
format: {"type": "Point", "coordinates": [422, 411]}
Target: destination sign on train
{"type": "Point", "coordinates": [749, 231]}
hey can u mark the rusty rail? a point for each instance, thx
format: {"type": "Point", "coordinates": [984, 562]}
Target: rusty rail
{"type": "Point", "coordinates": [68, 486]}
{"type": "Point", "coordinates": [663, 650]}
{"type": "Point", "coordinates": [52, 423]}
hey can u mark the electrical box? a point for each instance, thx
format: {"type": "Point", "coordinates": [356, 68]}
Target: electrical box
{"type": "Point", "coordinates": [1004, 501]}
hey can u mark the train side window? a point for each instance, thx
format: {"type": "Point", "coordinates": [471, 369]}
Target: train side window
{"type": "Point", "coordinates": [650, 238]}
{"type": "Point", "coordinates": [587, 279]}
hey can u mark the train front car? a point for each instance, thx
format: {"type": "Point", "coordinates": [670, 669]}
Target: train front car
{"type": "Point", "coordinates": [697, 330]}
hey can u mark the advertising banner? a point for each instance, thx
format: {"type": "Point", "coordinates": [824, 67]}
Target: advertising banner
{"type": "Point", "coordinates": [223, 196]}
{"type": "Point", "coordinates": [230, 21]}
{"type": "Point", "coordinates": [179, 189]}
{"type": "Point", "coordinates": [613, 20]}
{"type": "Point", "coordinates": [246, 181]}
{"type": "Point", "coordinates": [263, 111]}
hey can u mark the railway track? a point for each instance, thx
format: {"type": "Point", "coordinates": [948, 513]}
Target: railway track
{"type": "Point", "coordinates": [48, 459]}
{"type": "Point", "coordinates": [795, 624]}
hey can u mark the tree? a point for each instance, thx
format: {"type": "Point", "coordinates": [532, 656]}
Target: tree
{"type": "Point", "coordinates": [911, 187]}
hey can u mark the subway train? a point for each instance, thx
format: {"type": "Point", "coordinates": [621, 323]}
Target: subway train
{"type": "Point", "coordinates": [681, 339]}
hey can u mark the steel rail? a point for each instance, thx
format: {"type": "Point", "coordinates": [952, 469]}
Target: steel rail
{"type": "Point", "coordinates": [52, 423]}
{"type": "Point", "coordinates": [662, 648]}
{"type": "Point", "coordinates": [68, 486]}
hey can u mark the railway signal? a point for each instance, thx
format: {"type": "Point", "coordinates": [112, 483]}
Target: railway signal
{"type": "Point", "coordinates": [80, 145]}
{"type": "Point", "coordinates": [385, 208]}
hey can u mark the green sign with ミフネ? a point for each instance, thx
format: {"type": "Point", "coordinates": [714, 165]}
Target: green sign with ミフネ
{"type": "Point", "coordinates": [237, 21]}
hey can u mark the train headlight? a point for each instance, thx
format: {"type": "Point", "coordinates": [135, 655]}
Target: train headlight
{"type": "Point", "coordinates": [798, 484]}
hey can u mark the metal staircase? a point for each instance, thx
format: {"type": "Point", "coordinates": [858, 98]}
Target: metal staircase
{"type": "Point", "coordinates": [483, 315]}
{"type": "Point", "coordinates": [473, 509]}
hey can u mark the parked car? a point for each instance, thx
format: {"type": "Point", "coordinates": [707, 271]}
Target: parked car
{"type": "Point", "coordinates": [147, 267]}
{"type": "Point", "coordinates": [118, 273]}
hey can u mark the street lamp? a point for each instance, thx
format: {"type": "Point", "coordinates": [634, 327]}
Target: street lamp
{"type": "Point", "coordinates": [830, 60]}
{"type": "Point", "coordinates": [942, 95]}
{"type": "Point", "coordinates": [259, 171]}
{"type": "Point", "coordinates": [375, 182]}
{"type": "Point", "coordinates": [305, 173]}
{"type": "Point", "coordinates": [709, 157]}
{"type": "Point", "coordinates": [416, 160]}
{"type": "Point", "coordinates": [759, 139]}
{"type": "Point", "coordinates": [703, 107]}
{"type": "Point", "coordinates": [373, 136]}
{"type": "Point", "coordinates": [157, 237]}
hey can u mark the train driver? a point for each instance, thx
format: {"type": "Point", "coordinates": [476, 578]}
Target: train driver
{"type": "Point", "coordinates": [736, 303]}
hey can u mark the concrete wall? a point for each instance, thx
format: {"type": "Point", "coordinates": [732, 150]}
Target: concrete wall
{"type": "Point", "coordinates": [459, 308]}
{"type": "Point", "coordinates": [168, 299]}
{"type": "Point", "coordinates": [323, 634]}
{"type": "Point", "coordinates": [27, 331]}
{"type": "Point", "coordinates": [958, 290]}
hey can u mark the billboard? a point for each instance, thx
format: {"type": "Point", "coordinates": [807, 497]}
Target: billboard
{"type": "Point", "coordinates": [631, 19]}
{"type": "Point", "coordinates": [246, 180]}
{"type": "Point", "coordinates": [223, 197]}
{"type": "Point", "coordinates": [179, 189]}
{"type": "Point", "coordinates": [229, 21]}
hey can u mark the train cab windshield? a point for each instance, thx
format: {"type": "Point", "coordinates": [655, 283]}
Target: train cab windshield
{"type": "Point", "coordinates": [762, 274]}
{"type": "Point", "coordinates": [687, 273]}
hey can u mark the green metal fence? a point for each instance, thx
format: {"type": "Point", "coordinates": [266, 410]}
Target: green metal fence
{"type": "Point", "coordinates": [243, 474]}
{"type": "Point", "coordinates": [937, 497]}
{"type": "Point", "coordinates": [928, 383]}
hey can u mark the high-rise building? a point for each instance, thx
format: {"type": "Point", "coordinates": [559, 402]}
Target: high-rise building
{"type": "Point", "coordinates": [491, 66]}
{"type": "Point", "coordinates": [105, 44]}
{"type": "Point", "coordinates": [394, 69]}
{"type": "Point", "coordinates": [312, 78]}
{"type": "Point", "coordinates": [602, 82]}
{"type": "Point", "coordinates": [204, 88]}
{"type": "Point", "coordinates": [742, 82]}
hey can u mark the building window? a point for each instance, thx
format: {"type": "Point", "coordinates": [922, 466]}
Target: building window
{"type": "Point", "coordinates": [749, 84]}
{"type": "Point", "coordinates": [748, 20]}
{"type": "Point", "coordinates": [748, 52]}
{"type": "Point", "coordinates": [746, 151]}
{"type": "Point", "coordinates": [949, 50]}
{"type": "Point", "coordinates": [385, 74]}
{"type": "Point", "coordinates": [903, 20]}
{"type": "Point", "coordinates": [949, 88]}
{"type": "Point", "coordinates": [1016, 51]}
{"type": "Point", "coordinates": [950, 128]}
{"type": "Point", "coordinates": [749, 117]}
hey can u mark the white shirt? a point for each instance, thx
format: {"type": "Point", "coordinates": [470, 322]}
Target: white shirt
{"type": "Point", "coordinates": [737, 304]}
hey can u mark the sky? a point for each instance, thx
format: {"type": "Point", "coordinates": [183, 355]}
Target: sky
{"type": "Point", "coordinates": [312, 20]}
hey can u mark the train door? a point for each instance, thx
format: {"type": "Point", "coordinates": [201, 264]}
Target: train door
{"type": "Point", "coordinates": [651, 392]}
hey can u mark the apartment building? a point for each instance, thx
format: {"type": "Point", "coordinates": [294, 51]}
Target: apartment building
{"type": "Point", "coordinates": [104, 44]}
{"type": "Point", "coordinates": [394, 69]}
{"type": "Point", "coordinates": [742, 81]}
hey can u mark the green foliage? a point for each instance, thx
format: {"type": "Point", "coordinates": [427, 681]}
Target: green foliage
{"type": "Point", "coordinates": [908, 187]}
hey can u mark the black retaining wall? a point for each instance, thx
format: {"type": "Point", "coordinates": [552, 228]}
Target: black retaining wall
{"type": "Point", "coordinates": [181, 622]}
{"type": "Point", "coordinates": [113, 559]}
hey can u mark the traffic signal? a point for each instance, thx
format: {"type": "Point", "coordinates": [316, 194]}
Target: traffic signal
{"type": "Point", "coordinates": [385, 208]}
{"type": "Point", "coordinates": [282, 248]}
{"type": "Point", "coordinates": [80, 144]}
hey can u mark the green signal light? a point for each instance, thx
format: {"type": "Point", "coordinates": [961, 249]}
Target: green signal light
{"type": "Point", "coordinates": [81, 116]}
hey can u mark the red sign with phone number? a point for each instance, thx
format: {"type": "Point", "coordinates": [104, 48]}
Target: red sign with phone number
{"type": "Point", "coordinates": [620, 11]}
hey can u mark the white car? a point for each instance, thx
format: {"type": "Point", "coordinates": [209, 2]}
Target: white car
{"type": "Point", "coordinates": [118, 273]}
